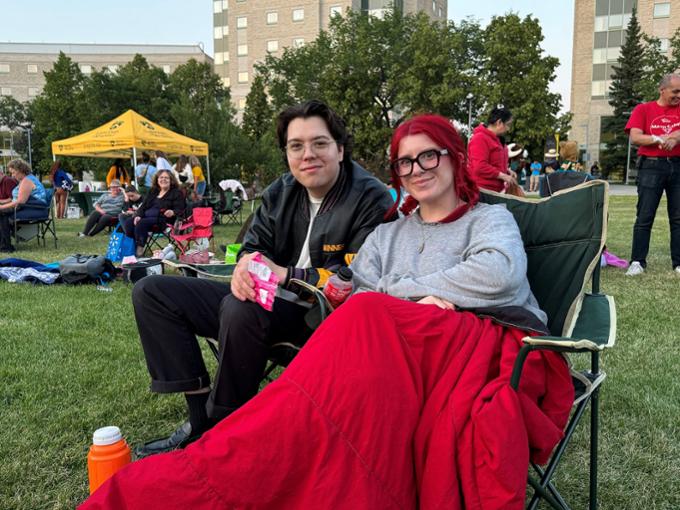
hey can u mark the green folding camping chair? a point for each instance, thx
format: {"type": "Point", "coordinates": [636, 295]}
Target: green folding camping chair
{"type": "Point", "coordinates": [564, 236]}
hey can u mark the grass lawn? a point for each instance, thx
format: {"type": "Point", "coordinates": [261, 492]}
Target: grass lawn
{"type": "Point", "coordinates": [70, 362]}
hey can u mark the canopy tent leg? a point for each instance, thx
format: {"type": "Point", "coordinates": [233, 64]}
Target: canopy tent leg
{"type": "Point", "coordinates": [134, 164]}
{"type": "Point", "coordinates": [207, 164]}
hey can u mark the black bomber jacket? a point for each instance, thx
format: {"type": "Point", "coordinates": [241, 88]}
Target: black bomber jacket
{"type": "Point", "coordinates": [354, 206]}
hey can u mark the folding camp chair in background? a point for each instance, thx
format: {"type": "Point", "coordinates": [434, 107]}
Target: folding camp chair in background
{"type": "Point", "coordinates": [563, 237]}
{"type": "Point", "coordinates": [31, 221]}
{"type": "Point", "coordinates": [195, 227]}
{"type": "Point", "coordinates": [228, 205]}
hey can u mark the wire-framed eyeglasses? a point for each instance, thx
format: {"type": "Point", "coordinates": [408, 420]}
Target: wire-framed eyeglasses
{"type": "Point", "coordinates": [296, 149]}
{"type": "Point", "coordinates": [427, 160]}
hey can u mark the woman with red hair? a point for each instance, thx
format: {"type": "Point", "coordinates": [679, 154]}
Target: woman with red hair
{"type": "Point", "coordinates": [397, 399]}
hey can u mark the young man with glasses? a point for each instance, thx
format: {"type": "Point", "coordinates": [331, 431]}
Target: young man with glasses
{"type": "Point", "coordinates": [311, 221]}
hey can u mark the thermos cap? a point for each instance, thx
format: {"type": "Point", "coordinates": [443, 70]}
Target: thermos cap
{"type": "Point", "coordinates": [106, 435]}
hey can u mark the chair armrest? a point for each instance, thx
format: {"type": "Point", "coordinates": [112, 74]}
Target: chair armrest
{"type": "Point", "coordinates": [325, 307]}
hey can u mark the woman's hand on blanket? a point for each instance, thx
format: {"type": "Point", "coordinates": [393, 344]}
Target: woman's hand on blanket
{"type": "Point", "coordinates": [441, 303]}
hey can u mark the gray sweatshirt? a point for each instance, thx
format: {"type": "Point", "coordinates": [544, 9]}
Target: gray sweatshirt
{"type": "Point", "coordinates": [110, 204]}
{"type": "Point", "coordinates": [477, 261]}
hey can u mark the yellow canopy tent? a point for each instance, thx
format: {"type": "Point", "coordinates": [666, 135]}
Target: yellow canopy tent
{"type": "Point", "coordinates": [124, 135]}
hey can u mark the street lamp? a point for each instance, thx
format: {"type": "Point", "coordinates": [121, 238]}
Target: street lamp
{"type": "Point", "coordinates": [469, 100]}
{"type": "Point", "coordinates": [628, 153]}
{"type": "Point", "coordinates": [27, 127]}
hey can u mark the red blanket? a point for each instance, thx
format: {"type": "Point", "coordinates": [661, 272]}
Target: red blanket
{"type": "Point", "coordinates": [391, 404]}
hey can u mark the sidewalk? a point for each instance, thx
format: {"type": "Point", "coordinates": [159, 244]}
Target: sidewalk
{"type": "Point", "coordinates": [622, 189]}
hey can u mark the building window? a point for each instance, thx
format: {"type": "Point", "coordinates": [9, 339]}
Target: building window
{"type": "Point", "coordinates": [166, 68]}
{"type": "Point", "coordinates": [32, 68]}
{"type": "Point", "coordinates": [226, 82]}
{"type": "Point", "coordinates": [613, 54]}
{"type": "Point", "coordinates": [298, 14]}
{"type": "Point", "coordinates": [599, 72]}
{"type": "Point", "coordinates": [298, 42]}
{"type": "Point", "coordinates": [600, 40]}
{"type": "Point", "coordinates": [601, 23]}
{"type": "Point", "coordinates": [225, 30]}
{"type": "Point", "coordinates": [241, 22]}
{"type": "Point", "coordinates": [241, 103]}
{"type": "Point", "coordinates": [600, 56]}
{"type": "Point", "coordinates": [615, 38]}
{"type": "Point", "coordinates": [217, 6]}
{"type": "Point", "coordinates": [242, 50]}
{"type": "Point", "coordinates": [243, 77]}
{"type": "Point", "coordinates": [662, 10]}
{"type": "Point", "coordinates": [335, 10]}
{"type": "Point", "coordinates": [112, 68]}
{"type": "Point", "coordinates": [217, 33]}
{"type": "Point", "coordinates": [598, 88]}
{"type": "Point", "coordinates": [665, 44]}
{"type": "Point", "coordinates": [225, 5]}
{"type": "Point", "coordinates": [272, 46]}
{"type": "Point", "coordinates": [86, 68]}
{"type": "Point", "coordinates": [219, 58]}
{"type": "Point", "coordinates": [33, 91]}
{"type": "Point", "coordinates": [4, 68]}
{"type": "Point", "coordinates": [225, 56]}
{"type": "Point", "coordinates": [272, 18]}
{"type": "Point", "coordinates": [5, 91]}
{"type": "Point", "coordinates": [434, 6]}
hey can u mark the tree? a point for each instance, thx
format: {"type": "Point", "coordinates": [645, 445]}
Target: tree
{"type": "Point", "coordinates": [136, 85]}
{"type": "Point", "coordinates": [517, 74]}
{"type": "Point", "coordinates": [12, 112]}
{"type": "Point", "coordinates": [56, 112]}
{"type": "Point", "coordinates": [626, 92]}
{"type": "Point", "coordinates": [258, 115]}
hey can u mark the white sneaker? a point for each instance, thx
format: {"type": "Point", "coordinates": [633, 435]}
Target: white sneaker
{"type": "Point", "coordinates": [635, 269]}
{"type": "Point", "coordinates": [677, 269]}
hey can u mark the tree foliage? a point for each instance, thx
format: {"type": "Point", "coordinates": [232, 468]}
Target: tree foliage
{"type": "Point", "coordinates": [377, 71]}
{"type": "Point", "coordinates": [627, 91]}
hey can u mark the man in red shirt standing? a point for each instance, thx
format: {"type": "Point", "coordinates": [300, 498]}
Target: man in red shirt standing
{"type": "Point", "coordinates": [487, 155]}
{"type": "Point", "coordinates": [655, 128]}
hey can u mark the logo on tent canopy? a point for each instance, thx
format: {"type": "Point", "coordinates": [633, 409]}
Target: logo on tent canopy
{"type": "Point", "coordinates": [147, 125]}
{"type": "Point", "coordinates": [116, 125]}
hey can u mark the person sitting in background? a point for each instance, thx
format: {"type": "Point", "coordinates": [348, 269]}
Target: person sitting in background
{"type": "Point", "coordinates": [106, 209]}
{"type": "Point", "coordinates": [62, 184]}
{"type": "Point", "coordinates": [396, 400]}
{"type": "Point", "coordinates": [117, 171]}
{"type": "Point", "coordinates": [144, 173]}
{"type": "Point", "coordinates": [133, 199]}
{"type": "Point", "coordinates": [199, 179]}
{"type": "Point", "coordinates": [162, 205]}
{"type": "Point", "coordinates": [536, 168]}
{"type": "Point", "coordinates": [7, 184]}
{"type": "Point", "coordinates": [29, 191]}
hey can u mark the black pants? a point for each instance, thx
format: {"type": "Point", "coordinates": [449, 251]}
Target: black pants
{"type": "Point", "coordinates": [6, 229]}
{"type": "Point", "coordinates": [96, 222]}
{"type": "Point", "coordinates": [655, 177]}
{"type": "Point", "coordinates": [170, 313]}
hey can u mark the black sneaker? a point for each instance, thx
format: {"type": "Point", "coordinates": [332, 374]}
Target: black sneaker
{"type": "Point", "coordinates": [178, 439]}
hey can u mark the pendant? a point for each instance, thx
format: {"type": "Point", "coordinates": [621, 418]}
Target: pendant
{"type": "Point", "coordinates": [422, 247]}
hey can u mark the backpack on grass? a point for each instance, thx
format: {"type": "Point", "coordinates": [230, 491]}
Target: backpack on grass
{"type": "Point", "coordinates": [86, 269]}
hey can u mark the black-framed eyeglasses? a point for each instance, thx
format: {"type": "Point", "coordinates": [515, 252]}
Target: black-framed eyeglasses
{"type": "Point", "coordinates": [427, 160]}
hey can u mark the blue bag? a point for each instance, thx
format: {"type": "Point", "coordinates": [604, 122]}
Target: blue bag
{"type": "Point", "coordinates": [120, 245]}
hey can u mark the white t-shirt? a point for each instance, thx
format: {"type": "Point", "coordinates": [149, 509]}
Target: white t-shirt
{"type": "Point", "coordinates": [305, 260]}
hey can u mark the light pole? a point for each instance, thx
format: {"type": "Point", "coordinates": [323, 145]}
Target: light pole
{"type": "Point", "coordinates": [628, 153]}
{"type": "Point", "coordinates": [27, 127]}
{"type": "Point", "coordinates": [469, 100]}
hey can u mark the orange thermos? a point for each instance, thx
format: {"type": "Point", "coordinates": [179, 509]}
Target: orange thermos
{"type": "Point", "coordinates": [109, 452]}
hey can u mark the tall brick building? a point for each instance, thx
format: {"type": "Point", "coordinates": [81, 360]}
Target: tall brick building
{"type": "Point", "coordinates": [599, 31]}
{"type": "Point", "coordinates": [247, 30]}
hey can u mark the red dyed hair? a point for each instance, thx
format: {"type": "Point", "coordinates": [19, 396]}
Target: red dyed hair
{"type": "Point", "coordinates": [442, 133]}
